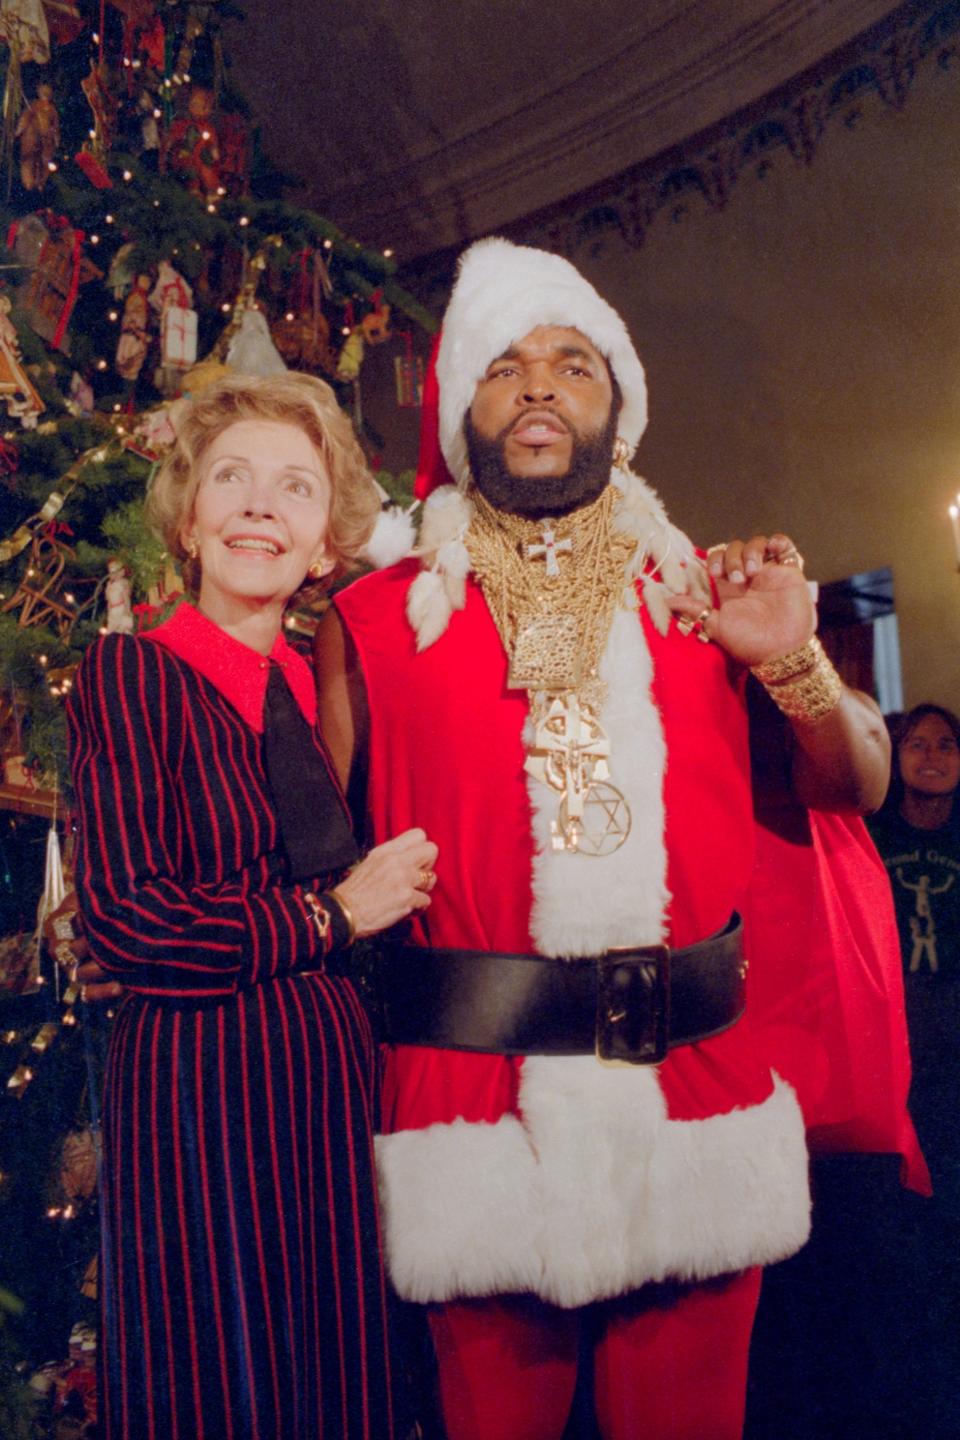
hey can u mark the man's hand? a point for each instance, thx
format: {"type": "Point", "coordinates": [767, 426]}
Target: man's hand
{"type": "Point", "coordinates": [765, 608]}
{"type": "Point", "coordinates": [841, 760]}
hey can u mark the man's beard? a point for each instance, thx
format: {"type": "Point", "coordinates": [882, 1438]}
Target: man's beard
{"type": "Point", "coordinates": [586, 477]}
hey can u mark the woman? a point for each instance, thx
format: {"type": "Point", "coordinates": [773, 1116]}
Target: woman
{"type": "Point", "coordinates": [918, 835]}
{"type": "Point", "coordinates": [242, 1286]}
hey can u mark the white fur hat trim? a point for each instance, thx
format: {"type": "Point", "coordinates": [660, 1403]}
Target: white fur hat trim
{"type": "Point", "coordinates": [503, 291]}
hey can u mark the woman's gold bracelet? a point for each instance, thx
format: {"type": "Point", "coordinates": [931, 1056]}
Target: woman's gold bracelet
{"type": "Point", "coordinates": [347, 915]}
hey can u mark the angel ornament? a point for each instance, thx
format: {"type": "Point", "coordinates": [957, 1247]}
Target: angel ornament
{"type": "Point", "coordinates": [38, 134]}
{"type": "Point", "coordinates": [16, 390]}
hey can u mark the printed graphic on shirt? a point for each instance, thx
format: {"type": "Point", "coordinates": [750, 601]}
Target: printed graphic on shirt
{"type": "Point", "coordinates": [924, 870]}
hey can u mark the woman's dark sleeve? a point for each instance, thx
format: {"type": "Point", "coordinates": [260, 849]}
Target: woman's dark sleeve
{"type": "Point", "coordinates": [147, 928]}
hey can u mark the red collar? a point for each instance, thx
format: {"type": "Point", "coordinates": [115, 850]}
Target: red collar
{"type": "Point", "coordinates": [239, 673]}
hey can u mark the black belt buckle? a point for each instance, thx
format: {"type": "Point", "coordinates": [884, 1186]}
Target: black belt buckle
{"type": "Point", "coordinates": [633, 1006]}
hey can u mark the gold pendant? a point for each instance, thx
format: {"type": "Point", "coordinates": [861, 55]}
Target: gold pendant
{"type": "Point", "coordinates": [546, 655]}
{"type": "Point", "coordinates": [569, 752]}
{"type": "Point", "coordinates": [602, 826]}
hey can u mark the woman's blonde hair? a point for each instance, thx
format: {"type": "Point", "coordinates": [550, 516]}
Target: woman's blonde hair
{"type": "Point", "coordinates": [290, 399]}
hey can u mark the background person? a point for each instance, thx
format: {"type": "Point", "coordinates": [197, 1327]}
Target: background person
{"type": "Point", "coordinates": [241, 1277]}
{"type": "Point", "coordinates": [917, 833]}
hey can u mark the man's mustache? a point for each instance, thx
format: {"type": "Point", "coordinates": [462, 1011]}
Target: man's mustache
{"type": "Point", "coordinates": [533, 410]}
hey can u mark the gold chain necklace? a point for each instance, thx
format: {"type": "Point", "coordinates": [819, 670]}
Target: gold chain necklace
{"type": "Point", "coordinates": [552, 588]}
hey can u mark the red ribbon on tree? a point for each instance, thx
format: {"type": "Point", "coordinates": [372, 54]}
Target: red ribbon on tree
{"type": "Point", "coordinates": [71, 300]}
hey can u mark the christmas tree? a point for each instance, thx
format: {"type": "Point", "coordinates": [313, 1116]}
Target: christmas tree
{"type": "Point", "coordinates": [148, 249]}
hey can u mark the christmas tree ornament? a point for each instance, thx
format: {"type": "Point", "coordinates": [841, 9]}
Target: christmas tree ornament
{"type": "Point", "coordinates": [103, 105]}
{"type": "Point", "coordinates": [19, 965]}
{"type": "Point", "coordinates": [235, 157]}
{"type": "Point", "coordinates": [16, 389]}
{"type": "Point", "coordinates": [122, 271]}
{"type": "Point", "coordinates": [16, 543]}
{"type": "Point", "coordinates": [88, 1286]}
{"type": "Point", "coordinates": [54, 889]}
{"type": "Point", "coordinates": [23, 28]}
{"type": "Point", "coordinates": [251, 350]}
{"type": "Point", "coordinates": [134, 339]}
{"type": "Point", "coordinates": [60, 271]}
{"type": "Point", "coordinates": [63, 934]}
{"type": "Point", "coordinates": [408, 374]}
{"type": "Point", "coordinates": [376, 323]}
{"type": "Point", "coordinates": [64, 20]}
{"type": "Point", "coordinates": [26, 238]}
{"type": "Point", "coordinates": [80, 397]}
{"type": "Point", "coordinates": [172, 298]}
{"type": "Point", "coordinates": [78, 1166]}
{"type": "Point", "coordinates": [351, 356]}
{"type": "Point", "coordinates": [192, 147]}
{"type": "Point", "coordinates": [38, 134]}
{"type": "Point", "coordinates": [118, 593]}
{"type": "Point", "coordinates": [45, 594]}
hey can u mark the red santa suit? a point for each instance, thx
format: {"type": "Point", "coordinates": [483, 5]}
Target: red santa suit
{"type": "Point", "coordinates": [561, 1176]}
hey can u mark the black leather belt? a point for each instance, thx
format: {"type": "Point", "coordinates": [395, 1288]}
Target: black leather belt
{"type": "Point", "coordinates": [629, 1006]}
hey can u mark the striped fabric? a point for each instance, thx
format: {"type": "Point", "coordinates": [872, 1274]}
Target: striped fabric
{"type": "Point", "coordinates": [243, 1295]}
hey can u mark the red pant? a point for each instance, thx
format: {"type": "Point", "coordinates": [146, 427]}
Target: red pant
{"type": "Point", "coordinates": [670, 1363]}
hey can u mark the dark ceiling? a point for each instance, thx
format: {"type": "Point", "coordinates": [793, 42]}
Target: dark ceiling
{"type": "Point", "coordinates": [419, 124]}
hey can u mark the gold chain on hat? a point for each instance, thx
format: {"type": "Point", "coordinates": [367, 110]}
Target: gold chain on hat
{"type": "Point", "coordinates": [552, 587]}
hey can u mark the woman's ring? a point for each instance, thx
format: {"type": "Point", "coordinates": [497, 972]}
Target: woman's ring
{"type": "Point", "coordinates": [427, 879]}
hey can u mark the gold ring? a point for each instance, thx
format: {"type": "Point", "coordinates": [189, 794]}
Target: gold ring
{"type": "Point", "coordinates": [790, 557]}
{"type": "Point", "coordinates": [686, 626]}
{"type": "Point", "coordinates": [427, 878]}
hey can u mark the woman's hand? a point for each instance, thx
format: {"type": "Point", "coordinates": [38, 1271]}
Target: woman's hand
{"type": "Point", "coordinates": [393, 880]}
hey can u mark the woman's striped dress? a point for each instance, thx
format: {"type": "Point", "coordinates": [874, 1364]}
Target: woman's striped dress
{"type": "Point", "coordinates": [242, 1286]}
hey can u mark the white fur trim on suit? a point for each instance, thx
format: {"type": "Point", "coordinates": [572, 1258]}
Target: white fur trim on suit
{"type": "Point", "coordinates": [593, 1192]}
{"type": "Point", "coordinates": [392, 539]}
{"type": "Point", "coordinates": [502, 292]}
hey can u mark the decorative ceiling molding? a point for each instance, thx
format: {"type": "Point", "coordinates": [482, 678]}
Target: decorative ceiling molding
{"type": "Point", "coordinates": [423, 125]}
{"type": "Point", "coordinates": [877, 68]}
{"type": "Point", "coordinates": [601, 99]}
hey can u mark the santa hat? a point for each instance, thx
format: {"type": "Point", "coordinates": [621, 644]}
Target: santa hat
{"type": "Point", "coordinates": [502, 292]}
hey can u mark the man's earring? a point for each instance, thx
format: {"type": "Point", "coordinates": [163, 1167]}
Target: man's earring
{"type": "Point", "coordinates": [621, 454]}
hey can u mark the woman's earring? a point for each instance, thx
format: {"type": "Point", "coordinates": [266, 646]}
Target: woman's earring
{"type": "Point", "coordinates": [191, 548]}
{"type": "Point", "coordinates": [317, 570]}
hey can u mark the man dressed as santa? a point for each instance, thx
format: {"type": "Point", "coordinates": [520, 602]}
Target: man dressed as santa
{"type": "Point", "coordinates": [581, 1127]}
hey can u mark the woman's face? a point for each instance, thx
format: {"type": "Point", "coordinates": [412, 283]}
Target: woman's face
{"type": "Point", "coordinates": [259, 517]}
{"type": "Point", "coordinates": [930, 758]}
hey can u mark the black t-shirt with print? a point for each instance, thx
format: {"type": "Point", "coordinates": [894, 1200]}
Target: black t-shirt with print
{"type": "Point", "coordinates": [924, 870]}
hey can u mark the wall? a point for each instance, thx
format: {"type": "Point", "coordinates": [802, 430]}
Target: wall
{"type": "Point", "coordinates": [803, 356]}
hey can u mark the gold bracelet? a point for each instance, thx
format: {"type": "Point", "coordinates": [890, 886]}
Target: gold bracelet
{"type": "Point", "coordinates": [806, 686]}
{"type": "Point", "coordinates": [786, 667]}
{"type": "Point", "coordinates": [347, 915]}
